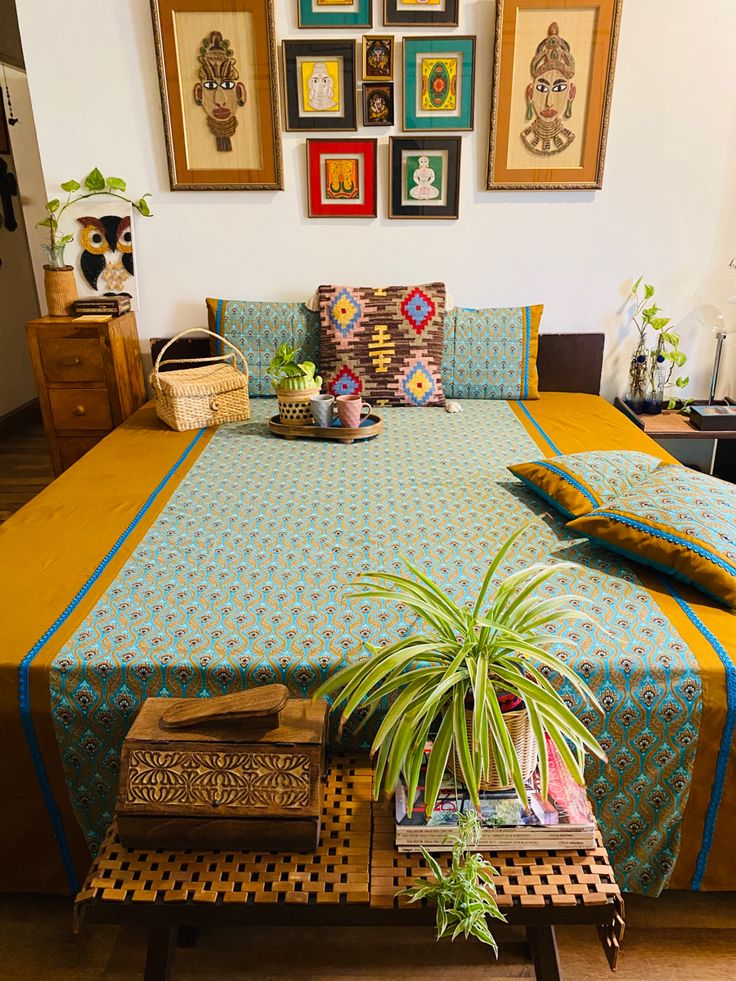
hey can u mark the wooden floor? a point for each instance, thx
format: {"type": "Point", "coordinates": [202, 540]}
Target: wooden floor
{"type": "Point", "coordinates": [679, 937]}
{"type": "Point", "coordinates": [25, 465]}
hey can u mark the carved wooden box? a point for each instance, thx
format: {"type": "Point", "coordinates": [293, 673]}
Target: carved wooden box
{"type": "Point", "coordinates": [242, 771]}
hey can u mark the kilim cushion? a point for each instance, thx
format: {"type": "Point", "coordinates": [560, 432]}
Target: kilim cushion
{"type": "Point", "coordinates": [579, 482]}
{"type": "Point", "coordinates": [384, 344]}
{"type": "Point", "coordinates": [492, 353]}
{"type": "Point", "coordinates": [258, 328]}
{"type": "Point", "coordinates": [677, 520]}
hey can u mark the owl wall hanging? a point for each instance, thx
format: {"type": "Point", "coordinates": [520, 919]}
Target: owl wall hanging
{"type": "Point", "coordinates": [102, 250]}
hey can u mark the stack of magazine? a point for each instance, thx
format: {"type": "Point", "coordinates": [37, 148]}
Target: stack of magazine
{"type": "Point", "coordinates": [563, 821]}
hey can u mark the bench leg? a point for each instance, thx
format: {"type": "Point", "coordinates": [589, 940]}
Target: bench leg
{"type": "Point", "coordinates": [186, 937]}
{"type": "Point", "coordinates": [160, 954]}
{"type": "Point", "coordinates": [543, 944]}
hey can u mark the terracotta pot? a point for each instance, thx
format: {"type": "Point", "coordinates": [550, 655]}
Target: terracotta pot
{"type": "Point", "coordinates": [61, 290]}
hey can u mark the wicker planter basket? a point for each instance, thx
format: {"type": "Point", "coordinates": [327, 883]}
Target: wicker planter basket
{"type": "Point", "coordinates": [520, 730]}
{"type": "Point", "coordinates": [60, 287]}
{"type": "Point", "coordinates": [295, 408]}
{"type": "Point", "coordinates": [210, 394]}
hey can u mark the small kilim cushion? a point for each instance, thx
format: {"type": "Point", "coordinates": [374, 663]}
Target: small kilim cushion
{"type": "Point", "coordinates": [384, 344]}
{"type": "Point", "coordinates": [492, 353]}
{"type": "Point", "coordinates": [257, 328]}
{"type": "Point", "coordinates": [579, 482]}
{"type": "Point", "coordinates": [677, 520]}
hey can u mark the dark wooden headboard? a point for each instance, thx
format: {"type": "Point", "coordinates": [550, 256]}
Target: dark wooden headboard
{"type": "Point", "coordinates": [565, 362]}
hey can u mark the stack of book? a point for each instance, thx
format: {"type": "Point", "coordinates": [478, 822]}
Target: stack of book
{"type": "Point", "coordinates": [561, 822]}
{"type": "Point", "coordinates": [114, 306]}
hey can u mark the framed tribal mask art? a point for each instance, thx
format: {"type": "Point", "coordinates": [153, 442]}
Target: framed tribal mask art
{"type": "Point", "coordinates": [219, 93]}
{"type": "Point", "coordinates": [319, 84]}
{"type": "Point", "coordinates": [341, 175]}
{"type": "Point", "coordinates": [552, 85]}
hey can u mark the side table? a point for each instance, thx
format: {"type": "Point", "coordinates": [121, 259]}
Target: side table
{"type": "Point", "coordinates": [350, 880]}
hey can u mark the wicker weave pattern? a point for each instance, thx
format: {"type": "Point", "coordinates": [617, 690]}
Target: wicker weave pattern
{"type": "Point", "coordinates": [520, 730]}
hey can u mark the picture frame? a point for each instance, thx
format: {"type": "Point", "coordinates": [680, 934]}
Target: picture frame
{"type": "Point", "coordinates": [566, 150]}
{"type": "Point", "coordinates": [378, 57]}
{"type": "Point", "coordinates": [320, 85]}
{"type": "Point", "coordinates": [331, 13]}
{"type": "Point", "coordinates": [424, 177]}
{"type": "Point", "coordinates": [218, 77]}
{"type": "Point", "coordinates": [420, 13]}
{"type": "Point", "coordinates": [341, 178]}
{"type": "Point", "coordinates": [439, 83]}
{"type": "Point", "coordinates": [378, 103]}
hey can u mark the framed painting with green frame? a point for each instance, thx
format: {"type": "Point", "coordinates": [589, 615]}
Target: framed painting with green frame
{"type": "Point", "coordinates": [319, 85]}
{"type": "Point", "coordinates": [419, 13]}
{"type": "Point", "coordinates": [341, 178]}
{"type": "Point", "coordinates": [424, 177]}
{"type": "Point", "coordinates": [335, 13]}
{"type": "Point", "coordinates": [439, 83]}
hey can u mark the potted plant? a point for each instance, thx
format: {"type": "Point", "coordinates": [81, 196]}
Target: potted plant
{"type": "Point", "coordinates": [465, 896]}
{"type": "Point", "coordinates": [652, 368]}
{"type": "Point", "coordinates": [445, 682]}
{"type": "Point", "coordinates": [294, 383]}
{"type": "Point", "coordinates": [59, 282]}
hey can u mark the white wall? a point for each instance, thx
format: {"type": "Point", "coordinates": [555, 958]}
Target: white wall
{"type": "Point", "coordinates": [666, 208]}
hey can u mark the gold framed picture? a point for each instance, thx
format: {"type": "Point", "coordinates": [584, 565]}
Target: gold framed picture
{"type": "Point", "coordinates": [552, 84]}
{"type": "Point", "coordinates": [219, 93]}
{"type": "Point", "coordinates": [378, 58]}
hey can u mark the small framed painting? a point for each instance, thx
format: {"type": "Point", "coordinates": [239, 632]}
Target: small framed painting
{"type": "Point", "coordinates": [378, 58]}
{"type": "Point", "coordinates": [552, 84]}
{"type": "Point", "coordinates": [378, 103]}
{"type": "Point", "coordinates": [424, 177]}
{"type": "Point", "coordinates": [335, 13]}
{"type": "Point", "coordinates": [341, 176]}
{"type": "Point", "coordinates": [319, 85]}
{"type": "Point", "coordinates": [410, 13]}
{"type": "Point", "coordinates": [219, 93]}
{"type": "Point", "coordinates": [439, 82]}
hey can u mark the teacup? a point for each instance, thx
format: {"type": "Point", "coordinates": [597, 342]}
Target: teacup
{"type": "Point", "coordinates": [323, 410]}
{"type": "Point", "coordinates": [351, 409]}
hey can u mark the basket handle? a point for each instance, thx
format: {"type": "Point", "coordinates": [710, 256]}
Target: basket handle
{"type": "Point", "coordinates": [196, 330]}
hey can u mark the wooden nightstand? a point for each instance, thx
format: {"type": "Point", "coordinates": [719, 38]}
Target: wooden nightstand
{"type": "Point", "coordinates": [89, 378]}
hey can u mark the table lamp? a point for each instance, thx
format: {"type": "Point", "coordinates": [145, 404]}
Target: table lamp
{"type": "Point", "coordinates": [715, 308]}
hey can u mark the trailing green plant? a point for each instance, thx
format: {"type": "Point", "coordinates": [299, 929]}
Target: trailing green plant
{"type": "Point", "coordinates": [465, 896]}
{"type": "Point", "coordinates": [93, 185]}
{"type": "Point", "coordinates": [465, 656]}
{"type": "Point", "coordinates": [288, 373]}
{"type": "Point", "coordinates": [666, 350]}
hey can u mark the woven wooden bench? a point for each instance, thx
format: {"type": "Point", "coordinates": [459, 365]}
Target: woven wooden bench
{"type": "Point", "coordinates": [352, 879]}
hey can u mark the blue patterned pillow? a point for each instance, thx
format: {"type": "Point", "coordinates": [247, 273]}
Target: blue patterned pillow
{"type": "Point", "coordinates": [257, 329]}
{"type": "Point", "coordinates": [492, 353]}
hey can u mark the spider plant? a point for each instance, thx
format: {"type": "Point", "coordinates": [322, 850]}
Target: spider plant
{"type": "Point", "coordinates": [466, 655]}
{"type": "Point", "coordinates": [465, 896]}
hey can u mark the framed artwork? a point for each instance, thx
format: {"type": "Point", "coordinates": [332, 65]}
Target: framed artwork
{"type": "Point", "coordinates": [219, 93]}
{"type": "Point", "coordinates": [341, 177]}
{"type": "Point", "coordinates": [439, 82]}
{"type": "Point", "coordinates": [552, 85]}
{"type": "Point", "coordinates": [410, 13]}
{"type": "Point", "coordinates": [424, 177]}
{"type": "Point", "coordinates": [378, 103]}
{"type": "Point", "coordinates": [319, 85]}
{"type": "Point", "coordinates": [102, 251]}
{"type": "Point", "coordinates": [378, 58]}
{"type": "Point", "coordinates": [335, 13]}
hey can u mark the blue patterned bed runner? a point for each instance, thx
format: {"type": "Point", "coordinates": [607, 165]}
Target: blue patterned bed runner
{"type": "Point", "coordinates": [243, 579]}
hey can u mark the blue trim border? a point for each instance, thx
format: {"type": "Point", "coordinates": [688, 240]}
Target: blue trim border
{"type": "Point", "coordinates": [536, 425]}
{"type": "Point", "coordinates": [24, 669]}
{"type": "Point", "coordinates": [527, 342]}
{"type": "Point", "coordinates": [571, 480]}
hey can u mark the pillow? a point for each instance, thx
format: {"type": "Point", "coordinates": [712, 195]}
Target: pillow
{"type": "Point", "coordinates": [492, 353]}
{"type": "Point", "coordinates": [258, 328]}
{"type": "Point", "coordinates": [578, 483]}
{"type": "Point", "coordinates": [677, 520]}
{"type": "Point", "coordinates": [384, 344]}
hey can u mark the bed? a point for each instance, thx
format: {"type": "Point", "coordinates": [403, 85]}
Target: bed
{"type": "Point", "coordinates": [196, 563]}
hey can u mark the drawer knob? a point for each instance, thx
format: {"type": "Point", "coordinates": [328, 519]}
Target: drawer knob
{"type": "Point", "coordinates": [70, 362]}
{"type": "Point", "coordinates": [80, 411]}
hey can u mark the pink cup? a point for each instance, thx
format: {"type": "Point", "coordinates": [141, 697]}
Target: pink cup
{"type": "Point", "coordinates": [351, 409]}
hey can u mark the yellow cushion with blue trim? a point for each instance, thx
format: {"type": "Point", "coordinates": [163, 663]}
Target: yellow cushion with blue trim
{"type": "Point", "coordinates": [677, 520]}
{"type": "Point", "coordinates": [579, 482]}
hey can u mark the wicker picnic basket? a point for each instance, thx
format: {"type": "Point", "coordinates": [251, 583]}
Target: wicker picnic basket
{"type": "Point", "coordinates": [212, 393]}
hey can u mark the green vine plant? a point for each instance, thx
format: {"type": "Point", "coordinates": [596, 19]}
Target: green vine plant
{"type": "Point", "coordinates": [465, 896]}
{"type": "Point", "coordinates": [93, 185]}
{"type": "Point", "coordinates": [646, 316]}
{"type": "Point", "coordinates": [287, 373]}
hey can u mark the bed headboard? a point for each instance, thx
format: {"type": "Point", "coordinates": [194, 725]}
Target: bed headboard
{"type": "Point", "coordinates": [565, 362]}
